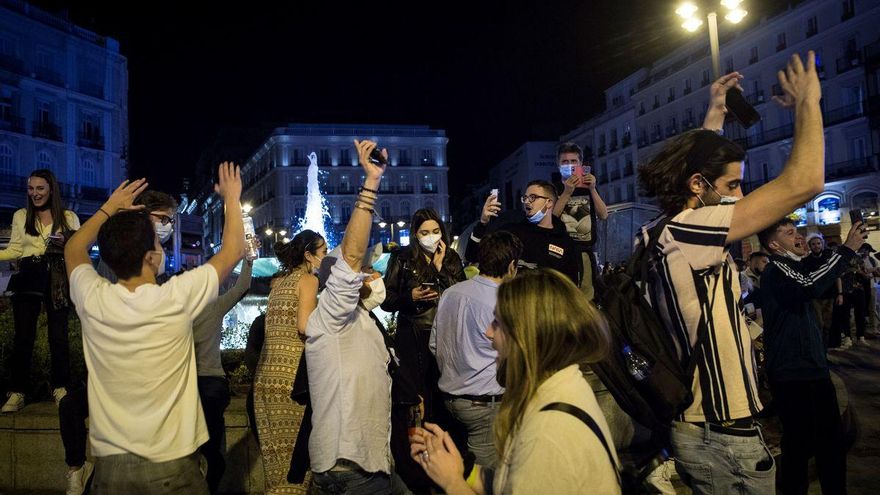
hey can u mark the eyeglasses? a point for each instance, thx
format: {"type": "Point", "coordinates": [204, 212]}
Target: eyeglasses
{"type": "Point", "coordinates": [530, 198]}
{"type": "Point", "coordinates": [163, 219]}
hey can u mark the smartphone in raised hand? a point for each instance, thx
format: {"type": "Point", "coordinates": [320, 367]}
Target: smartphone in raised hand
{"type": "Point", "coordinates": [744, 113]}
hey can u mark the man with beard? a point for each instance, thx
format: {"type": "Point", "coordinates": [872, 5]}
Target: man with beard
{"type": "Point", "coordinates": [824, 305]}
{"type": "Point", "coordinates": [796, 360]}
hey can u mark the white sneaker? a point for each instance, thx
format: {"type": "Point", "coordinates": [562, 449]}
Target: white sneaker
{"type": "Point", "coordinates": [14, 404]}
{"type": "Point", "coordinates": [59, 394]}
{"type": "Point", "coordinates": [862, 341]}
{"type": "Point", "coordinates": [847, 343]}
{"type": "Point", "coordinates": [77, 480]}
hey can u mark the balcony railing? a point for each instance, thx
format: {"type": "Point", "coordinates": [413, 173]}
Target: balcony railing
{"type": "Point", "coordinates": [656, 137]}
{"type": "Point", "coordinates": [830, 118]}
{"type": "Point", "coordinates": [671, 130]}
{"type": "Point", "coordinates": [849, 62]}
{"type": "Point", "coordinates": [843, 114]}
{"type": "Point", "coordinates": [687, 90]}
{"type": "Point", "coordinates": [91, 89]}
{"type": "Point", "coordinates": [780, 47]}
{"type": "Point", "coordinates": [615, 174]}
{"type": "Point", "coordinates": [47, 130]}
{"type": "Point", "coordinates": [643, 141]}
{"type": "Point", "coordinates": [429, 190]}
{"type": "Point", "coordinates": [613, 146]}
{"type": "Point", "coordinates": [602, 150]}
{"type": "Point", "coordinates": [12, 124]}
{"type": "Point", "coordinates": [297, 191]}
{"type": "Point", "coordinates": [851, 168]}
{"type": "Point", "coordinates": [48, 75]}
{"type": "Point", "coordinates": [94, 141]}
{"type": "Point", "coordinates": [12, 64]}
{"type": "Point", "coordinates": [405, 189]}
{"type": "Point", "coordinates": [813, 31]}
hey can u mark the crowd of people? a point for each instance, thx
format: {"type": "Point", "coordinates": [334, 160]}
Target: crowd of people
{"type": "Point", "coordinates": [483, 385]}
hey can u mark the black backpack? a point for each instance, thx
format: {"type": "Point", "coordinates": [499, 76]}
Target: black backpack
{"type": "Point", "coordinates": [665, 392]}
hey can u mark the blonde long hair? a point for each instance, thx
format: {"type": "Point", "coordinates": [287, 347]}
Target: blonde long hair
{"type": "Point", "coordinates": [548, 325]}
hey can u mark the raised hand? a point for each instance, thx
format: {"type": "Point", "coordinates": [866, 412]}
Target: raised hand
{"type": "Point", "coordinates": [719, 88]}
{"type": "Point", "coordinates": [800, 84]}
{"type": "Point", "coordinates": [229, 182]}
{"type": "Point", "coordinates": [570, 183]}
{"type": "Point", "coordinates": [372, 170]}
{"type": "Point", "coordinates": [588, 181]}
{"type": "Point", "coordinates": [856, 236]}
{"type": "Point", "coordinates": [124, 195]}
{"type": "Point", "coordinates": [490, 209]}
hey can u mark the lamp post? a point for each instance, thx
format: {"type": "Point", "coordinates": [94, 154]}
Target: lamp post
{"type": "Point", "coordinates": [399, 223]}
{"type": "Point", "coordinates": [692, 22]}
{"type": "Point", "coordinates": [275, 234]}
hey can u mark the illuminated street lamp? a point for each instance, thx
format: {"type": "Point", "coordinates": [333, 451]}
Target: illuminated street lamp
{"type": "Point", "coordinates": [689, 12]}
{"type": "Point", "coordinates": [399, 223]}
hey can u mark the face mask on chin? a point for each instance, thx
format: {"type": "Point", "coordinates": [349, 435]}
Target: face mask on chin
{"type": "Point", "coordinates": [538, 216]}
{"type": "Point", "coordinates": [788, 254]}
{"type": "Point", "coordinates": [722, 200]}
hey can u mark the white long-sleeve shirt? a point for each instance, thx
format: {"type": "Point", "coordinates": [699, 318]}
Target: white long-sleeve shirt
{"type": "Point", "coordinates": [349, 384]}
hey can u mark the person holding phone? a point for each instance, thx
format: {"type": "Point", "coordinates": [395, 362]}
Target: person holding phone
{"type": "Point", "coordinates": [416, 276]}
{"type": "Point", "coordinates": [579, 206]}
{"type": "Point", "coordinates": [37, 241]}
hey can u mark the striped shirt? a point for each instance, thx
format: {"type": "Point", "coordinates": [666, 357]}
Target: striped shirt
{"type": "Point", "coordinates": [695, 286]}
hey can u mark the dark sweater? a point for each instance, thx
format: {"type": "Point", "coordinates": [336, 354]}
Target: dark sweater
{"type": "Point", "coordinates": [542, 248]}
{"type": "Point", "coordinates": [792, 337]}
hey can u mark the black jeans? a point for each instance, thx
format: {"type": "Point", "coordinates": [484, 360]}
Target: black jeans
{"type": "Point", "coordinates": [854, 301]}
{"type": "Point", "coordinates": [214, 393]}
{"type": "Point", "coordinates": [72, 413]}
{"type": "Point", "coordinates": [25, 312]}
{"type": "Point", "coordinates": [811, 427]}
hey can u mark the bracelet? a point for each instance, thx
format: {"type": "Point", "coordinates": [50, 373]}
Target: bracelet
{"type": "Point", "coordinates": [367, 201]}
{"type": "Point", "coordinates": [104, 212]}
{"type": "Point", "coordinates": [365, 188]}
{"type": "Point", "coordinates": [367, 196]}
{"type": "Point", "coordinates": [357, 204]}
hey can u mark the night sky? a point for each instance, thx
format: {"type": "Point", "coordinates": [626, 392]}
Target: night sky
{"type": "Point", "coordinates": [492, 74]}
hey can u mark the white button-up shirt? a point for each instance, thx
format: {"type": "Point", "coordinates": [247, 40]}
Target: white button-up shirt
{"type": "Point", "coordinates": [349, 384]}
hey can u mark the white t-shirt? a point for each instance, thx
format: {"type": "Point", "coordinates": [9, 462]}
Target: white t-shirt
{"type": "Point", "coordinates": [138, 346]}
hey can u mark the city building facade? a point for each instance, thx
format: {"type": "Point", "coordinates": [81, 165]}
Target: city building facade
{"type": "Point", "coordinates": [276, 179]}
{"type": "Point", "coordinates": [63, 106]}
{"type": "Point", "coordinates": [671, 96]}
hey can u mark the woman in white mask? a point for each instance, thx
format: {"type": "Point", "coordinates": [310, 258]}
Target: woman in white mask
{"type": "Point", "coordinates": [416, 276]}
{"type": "Point", "coordinates": [292, 299]}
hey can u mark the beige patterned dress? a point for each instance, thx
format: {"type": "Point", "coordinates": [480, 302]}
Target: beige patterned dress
{"type": "Point", "coordinates": [278, 417]}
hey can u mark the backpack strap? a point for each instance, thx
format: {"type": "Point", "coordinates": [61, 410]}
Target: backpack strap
{"type": "Point", "coordinates": [591, 424]}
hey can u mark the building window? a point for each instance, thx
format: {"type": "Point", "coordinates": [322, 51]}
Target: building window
{"type": "Point", "coordinates": [858, 148]}
{"type": "Point", "coordinates": [753, 55]}
{"type": "Point", "coordinates": [44, 113]}
{"type": "Point", "coordinates": [404, 157]}
{"type": "Point", "coordinates": [729, 64]}
{"type": "Point", "coordinates": [88, 172]}
{"type": "Point", "coordinates": [44, 160]}
{"type": "Point", "coordinates": [346, 211]}
{"type": "Point", "coordinates": [323, 156]}
{"type": "Point", "coordinates": [656, 101]}
{"type": "Point", "coordinates": [428, 184]}
{"type": "Point", "coordinates": [405, 210]}
{"type": "Point", "coordinates": [780, 42]}
{"type": "Point", "coordinates": [671, 96]}
{"type": "Point", "coordinates": [385, 210]}
{"type": "Point", "coordinates": [299, 210]}
{"type": "Point", "coordinates": [345, 156]}
{"type": "Point", "coordinates": [297, 156]}
{"type": "Point", "coordinates": [404, 184]}
{"type": "Point", "coordinates": [687, 86]}
{"type": "Point", "coordinates": [429, 203]}
{"type": "Point", "coordinates": [7, 166]}
{"type": "Point", "coordinates": [849, 10]}
{"type": "Point", "coordinates": [705, 79]}
{"type": "Point", "coordinates": [812, 26]}
{"type": "Point", "coordinates": [344, 184]}
{"type": "Point", "coordinates": [427, 156]}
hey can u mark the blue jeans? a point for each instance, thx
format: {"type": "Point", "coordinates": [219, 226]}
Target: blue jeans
{"type": "Point", "coordinates": [358, 482]}
{"type": "Point", "coordinates": [478, 417]}
{"type": "Point", "coordinates": [130, 474]}
{"type": "Point", "coordinates": [716, 463]}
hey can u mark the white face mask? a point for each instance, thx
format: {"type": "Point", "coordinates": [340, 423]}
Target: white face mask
{"type": "Point", "coordinates": [723, 200]}
{"type": "Point", "coordinates": [538, 216]}
{"type": "Point", "coordinates": [566, 171]}
{"type": "Point", "coordinates": [788, 254]}
{"type": "Point", "coordinates": [430, 242]}
{"type": "Point", "coordinates": [163, 231]}
{"type": "Point", "coordinates": [377, 296]}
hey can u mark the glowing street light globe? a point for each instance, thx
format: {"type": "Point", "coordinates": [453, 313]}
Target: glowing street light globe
{"type": "Point", "coordinates": [692, 24]}
{"type": "Point", "coordinates": [736, 15]}
{"type": "Point", "coordinates": [401, 223]}
{"type": "Point", "coordinates": [731, 4]}
{"type": "Point", "coordinates": [686, 10]}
